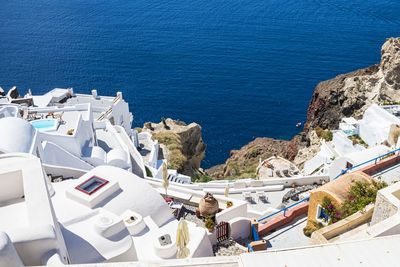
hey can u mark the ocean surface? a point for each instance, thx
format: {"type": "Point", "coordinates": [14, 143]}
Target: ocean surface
{"type": "Point", "coordinates": [240, 68]}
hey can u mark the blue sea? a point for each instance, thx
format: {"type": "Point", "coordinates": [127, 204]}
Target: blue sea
{"type": "Point", "coordinates": [240, 68]}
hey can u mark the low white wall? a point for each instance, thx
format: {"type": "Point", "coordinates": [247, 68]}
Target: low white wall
{"type": "Point", "coordinates": [77, 107]}
{"type": "Point", "coordinates": [237, 210]}
{"type": "Point", "coordinates": [32, 243]}
{"type": "Point", "coordinates": [132, 149]}
{"type": "Point", "coordinates": [240, 227]}
{"type": "Point", "coordinates": [57, 156]}
{"type": "Point", "coordinates": [269, 188]}
{"type": "Point", "coordinates": [204, 247]}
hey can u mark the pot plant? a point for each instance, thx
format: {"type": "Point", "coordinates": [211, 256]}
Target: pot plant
{"type": "Point", "coordinates": [229, 204]}
{"type": "Point", "coordinates": [209, 224]}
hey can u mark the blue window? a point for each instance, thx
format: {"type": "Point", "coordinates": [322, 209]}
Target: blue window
{"type": "Point", "coordinates": [322, 215]}
{"type": "Point", "coordinates": [91, 185]}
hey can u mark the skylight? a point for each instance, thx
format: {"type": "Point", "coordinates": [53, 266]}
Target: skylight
{"type": "Point", "coordinates": [91, 185]}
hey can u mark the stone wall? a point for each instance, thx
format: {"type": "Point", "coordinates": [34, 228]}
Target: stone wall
{"type": "Point", "coordinates": [384, 208]}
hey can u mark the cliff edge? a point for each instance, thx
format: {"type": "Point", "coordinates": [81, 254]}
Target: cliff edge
{"type": "Point", "coordinates": [181, 144]}
{"type": "Point", "coordinates": [352, 93]}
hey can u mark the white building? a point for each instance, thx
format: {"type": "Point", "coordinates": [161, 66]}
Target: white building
{"type": "Point", "coordinates": [106, 215]}
{"type": "Point", "coordinates": [375, 125]}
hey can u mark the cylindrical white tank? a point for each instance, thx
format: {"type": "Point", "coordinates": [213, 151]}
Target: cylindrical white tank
{"type": "Point", "coordinates": [118, 158]}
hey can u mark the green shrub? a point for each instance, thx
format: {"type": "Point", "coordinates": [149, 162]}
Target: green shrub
{"type": "Point", "coordinates": [357, 140]}
{"type": "Point", "coordinates": [148, 172]}
{"type": "Point", "coordinates": [201, 178]}
{"type": "Point", "coordinates": [325, 134]}
{"type": "Point", "coordinates": [209, 223]}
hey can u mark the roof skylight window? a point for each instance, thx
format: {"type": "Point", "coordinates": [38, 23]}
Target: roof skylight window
{"type": "Point", "coordinates": [91, 185]}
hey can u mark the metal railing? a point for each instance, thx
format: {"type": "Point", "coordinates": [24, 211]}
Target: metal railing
{"type": "Point", "coordinates": [249, 248]}
{"type": "Point", "coordinates": [254, 233]}
{"type": "Point", "coordinates": [368, 161]}
{"type": "Point", "coordinates": [343, 172]}
{"type": "Point", "coordinates": [284, 209]}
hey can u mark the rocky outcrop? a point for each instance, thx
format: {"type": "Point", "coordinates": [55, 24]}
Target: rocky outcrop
{"type": "Point", "coordinates": [180, 144]}
{"type": "Point", "coordinates": [352, 93]}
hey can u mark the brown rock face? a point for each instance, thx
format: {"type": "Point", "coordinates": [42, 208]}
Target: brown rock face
{"type": "Point", "coordinates": [180, 144]}
{"type": "Point", "coordinates": [351, 94]}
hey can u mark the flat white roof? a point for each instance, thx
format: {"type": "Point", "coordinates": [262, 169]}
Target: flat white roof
{"type": "Point", "coordinates": [367, 154]}
{"type": "Point", "coordinates": [383, 251]}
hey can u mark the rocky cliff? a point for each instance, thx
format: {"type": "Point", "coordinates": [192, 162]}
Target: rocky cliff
{"type": "Point", "coordinates": [352, 93]}
{"type": "Point", "coordinates": [180, 144]}
{"type": "Point", "coordinates": [343, 96]}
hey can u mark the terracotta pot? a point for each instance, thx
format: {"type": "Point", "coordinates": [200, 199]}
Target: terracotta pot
{"type": "Point", "coordinates": [210, 230]}
{"type": "Point", "coordinates": [208, 205]}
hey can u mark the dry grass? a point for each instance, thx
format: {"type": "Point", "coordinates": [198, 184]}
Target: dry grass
{"type": "Point", "coordinates": [172, 141]}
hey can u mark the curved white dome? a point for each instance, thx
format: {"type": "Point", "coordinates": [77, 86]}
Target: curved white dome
{"type": "Point", "coordinates": [16, 135]}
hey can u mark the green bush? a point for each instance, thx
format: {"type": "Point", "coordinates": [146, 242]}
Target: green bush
{"type": "Point", "coordinates": [201, 178]}
{"type": "Point", "coordinates": [325, 134]}
{"type": "Point", "coordinates": [148, 172]}
{"type": "Point", "coordinates": [357, 140]}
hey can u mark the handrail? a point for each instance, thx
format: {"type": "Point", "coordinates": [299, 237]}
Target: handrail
{"type": "Point", "coordinates": [343, 172]}
{"type": "Point", "coordinates": [284, 209]}
{"type": "Point", "coordinates": [249, 248]}
{"type": "Point", "coordinates": [368, 161]}
{"type": "Point", "coordinates": [254, 233]}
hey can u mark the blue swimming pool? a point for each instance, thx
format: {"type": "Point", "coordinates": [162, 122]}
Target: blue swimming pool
{"type": "Point", "coordinates": [45, 125]}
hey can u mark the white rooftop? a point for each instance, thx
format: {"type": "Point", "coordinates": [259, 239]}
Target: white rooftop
{"type": "Point", "coordinates": [382, 251]}
{"type": "Point", "coordinates": [367, 154]}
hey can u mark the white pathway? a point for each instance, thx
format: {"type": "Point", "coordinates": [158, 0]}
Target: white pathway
{"type": "Point", "coordinates": [389, 175]}
{"type": "Point", "coordinates": [288, 236]}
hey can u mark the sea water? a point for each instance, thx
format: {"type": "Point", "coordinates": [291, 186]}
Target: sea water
{"type": "Point", "coordinates": [240, 68]}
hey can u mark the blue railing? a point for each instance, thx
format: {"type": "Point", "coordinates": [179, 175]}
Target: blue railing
{"type": "Point", "coordinates": [368, 161]}
{"type": "Point", "coordinates": [343, 172]}
{"type": "Point", "coordinates": [254, 233]}
{"type": "Point", "coordinates": [284, 209]}
{"type": "Point", "coordinates": [249, 248]}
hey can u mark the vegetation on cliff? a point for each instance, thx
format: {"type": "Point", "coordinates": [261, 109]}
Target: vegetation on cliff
{"type": "Point", "coordinates": [180, 144]}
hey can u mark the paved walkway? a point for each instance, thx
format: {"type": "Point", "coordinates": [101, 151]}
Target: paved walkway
{"type": "Point", "coordinates": [288, 236]}
{"type": "Point", "coordinates": [389, 175]}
